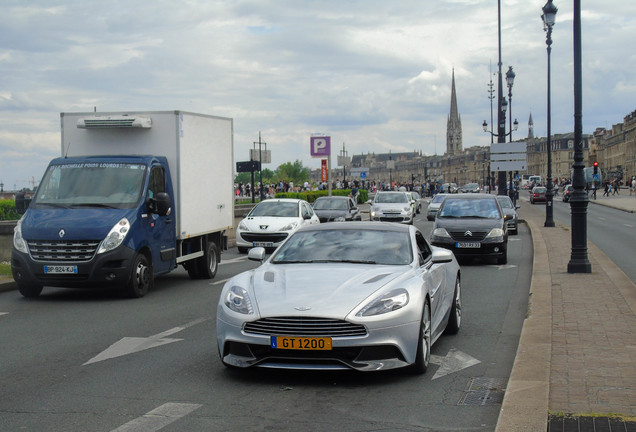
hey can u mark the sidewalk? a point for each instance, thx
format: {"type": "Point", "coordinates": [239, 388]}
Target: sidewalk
{"type": "Point", "coordinates": [577, 353]}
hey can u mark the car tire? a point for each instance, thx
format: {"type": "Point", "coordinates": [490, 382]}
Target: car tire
{"type": "Point", "coordinates": [455, 318]}
{"type": "Point", "coordinates": [423, 355]}
{"type": "Point", "coordinates": [30, 291]}
{"type": "Point", "coordinates": [141, 277]}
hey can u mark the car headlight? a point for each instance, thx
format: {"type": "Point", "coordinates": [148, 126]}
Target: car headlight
{"type": "Point", "coordinates": [495, 232]}
{"type": "Point", "coordinates": [440, 232]}
{"type": "Point", "coordinates": [242, 226]}
{"type": "Point", "coordinates": [290, 226]}
{"type": "Point", "coordinates": [115, 237]}
{"type": "Point", "coordinates": [387, 302]}
{"type": "Point", "coordinates": [18, 242]}
{"type": "Point", "coordinates": [374, 212]}
{"type": "Point", "coordinates": [238, 300]}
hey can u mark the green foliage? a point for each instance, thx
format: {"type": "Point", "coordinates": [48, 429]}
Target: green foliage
{"type": "Point", "coordinates": [5, 269]}
{"type": "Point", "coordinates": [7, 210]}
{"type": "Point", "coordinates": [292, 172]}
{"type": "Point", "coordinates": [311, 196]}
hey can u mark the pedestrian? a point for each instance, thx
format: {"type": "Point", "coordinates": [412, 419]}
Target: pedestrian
{"type": "Point", "coordinates": [606, 189]}
{"type": "Point", "coordinates": [633, 189]}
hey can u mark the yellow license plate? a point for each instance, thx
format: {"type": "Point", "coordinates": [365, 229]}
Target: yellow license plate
{"type": "Point", "coordinates": [301, 343]}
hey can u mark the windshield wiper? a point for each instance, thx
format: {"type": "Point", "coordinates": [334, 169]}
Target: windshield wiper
{"type": "Point", "coordinates": [94, 205]}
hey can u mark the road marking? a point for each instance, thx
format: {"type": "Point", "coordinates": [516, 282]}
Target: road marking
{"type": "Point", "coordinates": [220, 281]}
{"type": "Point", "coordinates": [629, 226]}
{"type": "Point", "coordinates": [129, 345]}
{"type": "Point", "coordinates": [4, 313]}
{"type": "Point", "coordinates": [453, 362]}
{"type": "Point", "coordinates": [158, 418]}
{"type": "Point", "coordinates": [233, 260]}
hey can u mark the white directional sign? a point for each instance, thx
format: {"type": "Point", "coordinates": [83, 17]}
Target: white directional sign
{"type": "Point", "coordinates": [129, 345]}
{"type": "Point", "coordinates": [508, 157]}
{"type": "Point", "coordinates": [453, 362]}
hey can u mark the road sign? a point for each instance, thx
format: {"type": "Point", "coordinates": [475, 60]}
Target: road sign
{"type": "Point", "coordinates": [249, 166]}
{"type": "Point", "coordinates": [320, 146]}
{"type": "Point", "coordinates": [508, 156]}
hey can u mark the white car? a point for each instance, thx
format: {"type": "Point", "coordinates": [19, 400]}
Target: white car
{"type": "Point", "coordinates": [392, 207]}
{"type": "Point", "coordinates": [272, 221]}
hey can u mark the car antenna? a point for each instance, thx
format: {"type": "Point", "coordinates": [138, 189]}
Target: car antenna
{"type": "Point", "coordinates": [67, 149]}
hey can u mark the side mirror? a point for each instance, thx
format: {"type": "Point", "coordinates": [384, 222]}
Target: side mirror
{"type": "Point", "coordinates": [160, 204]}
{"type": "Point", "coordinates": [442, 256]}
{"type": "Point", "coordinates": [256, 254]}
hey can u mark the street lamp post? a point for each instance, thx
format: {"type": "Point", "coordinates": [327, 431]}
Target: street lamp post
{"type": "Point", "coordinates": [579, 262]}
{"type": "Point", "coordinates": [548, 17]}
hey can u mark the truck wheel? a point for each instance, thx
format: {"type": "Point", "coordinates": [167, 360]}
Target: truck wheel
{"type": "Point", "coordinates": [141, 278]}
{"type": "Point", "coordinates": [30, 291]}
{"type": "Point", "coordinates": [208, 264]}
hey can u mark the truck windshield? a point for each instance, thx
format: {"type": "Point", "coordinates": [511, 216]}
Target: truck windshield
{"type": "Point", "coordinates": [91, 184]}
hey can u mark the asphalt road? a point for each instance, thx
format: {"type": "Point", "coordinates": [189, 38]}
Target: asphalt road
{"type": "Point", "coordinates": [610, 229]}
{"type": "Point", "coordinates": [91, 361]}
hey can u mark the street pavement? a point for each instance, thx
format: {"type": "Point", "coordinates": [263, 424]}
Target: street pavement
{"type": "Point", "coordinates": [576, 356]}
{"type": "Point", "coordinates": [575, 364]}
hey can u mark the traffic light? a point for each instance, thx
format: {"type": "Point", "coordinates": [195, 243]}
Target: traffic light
{"type": "Point", "coordinates": [595, 167]}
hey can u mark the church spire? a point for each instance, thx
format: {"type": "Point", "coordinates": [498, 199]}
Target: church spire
{"type": "Point", "coordinates": [530, 127]}
{"type": "Point", "coordinates": [454, 124]}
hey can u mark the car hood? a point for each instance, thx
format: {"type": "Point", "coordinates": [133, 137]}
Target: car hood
{"type": "Point", "coordinates": [76, 224]}
{"type": "Point", "coordinates": [268, 223]}
{"type": "Point", "coordinates": [331, 213]}
{"type": "Point", "coordinates": [324, 290]}
{"type": "Point", "coordinates": [468, 223]}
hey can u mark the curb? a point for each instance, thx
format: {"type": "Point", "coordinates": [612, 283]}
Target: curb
{"type": "Point", "coordinates": [7, 284]}
{"type": "Point", "coordinates": [525, 404]}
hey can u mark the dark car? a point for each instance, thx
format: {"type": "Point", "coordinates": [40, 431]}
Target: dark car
{"type": "Point", "coordinates": [472, 225]}
{"type": "Point", "coordinates": [510, 213]}
{"type": "Point", "coordinates": [567, 192]}
{"type": "Point", "coordinates": [336, 208]}
{"type": "Point", "coordinates": [537, 194]}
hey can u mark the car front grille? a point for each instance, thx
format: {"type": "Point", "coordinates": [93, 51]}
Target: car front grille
{"type": "Point", "coordinates": [264, 237]}
{"type": "Point", "coordinates": [63, 251]}
{"type": "Point", "coordinates": [304, 326]}
{"type": "Point", "coordinates": [467, 235]}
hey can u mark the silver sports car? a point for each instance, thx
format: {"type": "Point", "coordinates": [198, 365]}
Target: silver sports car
{"type": "Point", "coordinates": [344, 295]}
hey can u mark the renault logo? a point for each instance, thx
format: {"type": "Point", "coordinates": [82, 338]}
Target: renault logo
{"type": "Point", "coordinates": [61, 233]}
{"type": "Point", "coordinates": [468, 234]}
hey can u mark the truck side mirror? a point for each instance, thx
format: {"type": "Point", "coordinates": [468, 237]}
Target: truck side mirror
{"type": "Point", "coordinates": [162, 204]}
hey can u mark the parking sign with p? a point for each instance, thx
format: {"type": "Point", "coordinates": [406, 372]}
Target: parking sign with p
{"type": "Point", "coordinates": [320, 146]}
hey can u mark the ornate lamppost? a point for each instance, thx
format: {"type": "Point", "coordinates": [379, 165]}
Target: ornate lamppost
{"type": "Point", "coordinates": [579, 262]}
{"type": "Point", "coordinates": [548, 17]}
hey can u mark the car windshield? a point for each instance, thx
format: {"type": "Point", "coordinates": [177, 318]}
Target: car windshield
{"type": "Point", "coordinates": [504, 202]}
{"type": "Point", "coordinates": [390, 197]}
{"type": "Point", "coordinates": [361, 246]}
{"type": "Point", "coordinates": [469, 208]}
{"type": "Point", "coordinates": [539, 190]}
{"type": "Point", "coordinates": [92, 184]}
{"type": "Point", "coordinates": [275, 209]}
{"type": "Point", "coordinates": [330, 204]}
{"type": "Point", "coordinates": [438, 198]}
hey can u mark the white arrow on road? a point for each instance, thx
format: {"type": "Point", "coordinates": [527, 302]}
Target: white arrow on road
{"type": "Point", "coordinates": [453, 362]}
{"type": "Point", "coordinates": [129, 345]}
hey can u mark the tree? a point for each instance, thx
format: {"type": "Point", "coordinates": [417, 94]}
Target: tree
{"type": "Point", "coordinates": [292, 172]}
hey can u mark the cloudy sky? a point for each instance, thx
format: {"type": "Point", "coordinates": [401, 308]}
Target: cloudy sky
{"type": "Point", "coordinates": [373, 74]}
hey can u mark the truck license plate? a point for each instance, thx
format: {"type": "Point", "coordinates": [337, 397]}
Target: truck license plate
{"type": "Point", "coordinates": [60, 269]}
{"type": "Point", "coordinates": [467, 245]}
{"type": "Point", "coordinates": [301, 343]}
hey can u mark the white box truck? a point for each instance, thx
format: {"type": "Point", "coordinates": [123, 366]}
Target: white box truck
{"type": "Point", "coordinates": [133, 195]}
